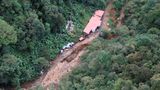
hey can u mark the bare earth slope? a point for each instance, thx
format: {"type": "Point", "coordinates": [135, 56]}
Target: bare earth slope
{"type": "Point", "coordinates": [67, 61]}
{"type": "Point", "coordinates": [63, 64]}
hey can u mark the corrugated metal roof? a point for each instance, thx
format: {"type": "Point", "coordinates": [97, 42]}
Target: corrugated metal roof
{"type": "Point", "coordinates": [94, 22]}
{"type": "Point", "coordinates": [99, 13]}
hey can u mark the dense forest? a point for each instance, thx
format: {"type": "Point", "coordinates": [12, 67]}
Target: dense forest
{"type": "Point", "coordinates": [33, 31]}
{"type": "Point", "coordinates": [129, 62]}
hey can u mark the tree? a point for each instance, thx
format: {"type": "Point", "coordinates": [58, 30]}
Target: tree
{"type": "Point", "coordinates": [41, 63]}
{"type": "Point", "coordinates": [143, 40]}
{"type": "Point", "coordinates": [122, 84]}
{"type": "Point", "coordinates": [123, 30]}
{"type": "Point", "coordinates": [7, 33]}
{"type": "Point", "coordinates": [154, 31]}
{"type": "Point", "coordinates": [53, 17]}
{"type": "Point", "coordinates": [139, 74]}
{"type": "Point", "coordinates": [118, 4]}
{"type": "Point", "coordinates": [153, 16]}
{"type": "Point", "coordinates": [155, 82]}
{"type": "Point", "coordinates": [144, 87]}
{"type": "Point", "coordinates": [10, 70]}
{"type": "Point", "coordinates": [34, 27]}
{"type": "Point", "coordinates": [25, 29]}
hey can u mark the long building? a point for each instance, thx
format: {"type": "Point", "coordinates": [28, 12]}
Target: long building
{"type": "Point", "coordinates": [94, 22]}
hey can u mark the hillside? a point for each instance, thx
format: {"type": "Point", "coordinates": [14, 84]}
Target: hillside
{"type": "Point", "coordinates": [129, 61]}
{"type": "Point", "coordinates": [125, 56]}
{"type": "Point", "coordinates": [32, 32]}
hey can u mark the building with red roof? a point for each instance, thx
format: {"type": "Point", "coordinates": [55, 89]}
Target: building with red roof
{"type": "Point", "coordinates": [94, 22]}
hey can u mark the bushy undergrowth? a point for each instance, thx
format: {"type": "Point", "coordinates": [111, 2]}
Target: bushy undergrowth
{"type": "Point", "coordinates": [32, 33]}
{"type": "Point", "coordinates": [128, 62]}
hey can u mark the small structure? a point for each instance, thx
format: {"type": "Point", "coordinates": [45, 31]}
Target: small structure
{"type": "Point", "coordinates": [93, 24]}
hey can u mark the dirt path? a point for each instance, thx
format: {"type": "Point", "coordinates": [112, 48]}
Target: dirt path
{"type": "Point", "coordinates": [63, 64]}
{"type": "Point", "coordinates": [56, 73]}
{"type": "Point", "coordinates": [69, 60]}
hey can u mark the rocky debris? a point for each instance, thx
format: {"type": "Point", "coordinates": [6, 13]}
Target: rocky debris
{"type": "Point", "coordinates": [70, 26]}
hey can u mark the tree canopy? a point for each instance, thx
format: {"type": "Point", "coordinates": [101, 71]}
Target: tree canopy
{"type": "Point", "coordinates": [7, 33]}
{"type": "Point", "coordinates": [32, 32]}
{"type": "Point", "coordinates": [128, 62]}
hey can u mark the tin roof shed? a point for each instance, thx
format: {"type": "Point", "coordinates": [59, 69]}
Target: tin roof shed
{"type": "Point", "coordinates": [94, 22]}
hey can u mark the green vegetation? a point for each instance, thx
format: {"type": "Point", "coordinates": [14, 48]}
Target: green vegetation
{"type": "Point", "coordinates": [32, 33]}
{"type": "Point", "coordinates": [128, 62]}
{"type": "Point", "coordinates": [7, 33]}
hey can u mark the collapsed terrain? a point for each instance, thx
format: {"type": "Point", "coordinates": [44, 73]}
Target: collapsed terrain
{"type": "Point", "coordinates": [63, 64]}
{"type": "Point", "coordinates": [32, 32]}
{"type": "Point", "coordinates": [70, 59]}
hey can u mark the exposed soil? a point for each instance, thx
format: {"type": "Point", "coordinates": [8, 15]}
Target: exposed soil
{"type": "Point", "coordinates": [70, 59]}
{"type": "Point", "coordinates": [63, 64]}
{"type": "Point", "coordinates": [110, 13]}
{"type": "Point", "coordinates": [121, 17]}
{"type": "Point", "coordinates": [107, 16]}
{"type": "Point", "coordinates": [55, 74]}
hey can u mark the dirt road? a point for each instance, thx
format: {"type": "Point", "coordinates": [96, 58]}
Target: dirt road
{"type": "Point", "coordinates": [69, 60]}
{"type": "Point", "coordinates": [66, 62]}
{"type": "Point", "coordinates": [63, 64]}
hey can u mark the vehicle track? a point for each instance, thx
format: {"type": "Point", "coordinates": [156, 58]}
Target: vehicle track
{"type": "Point", "coordinates": [69, 60]}
{"type": "Point", "coordinates": [63, 64]}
